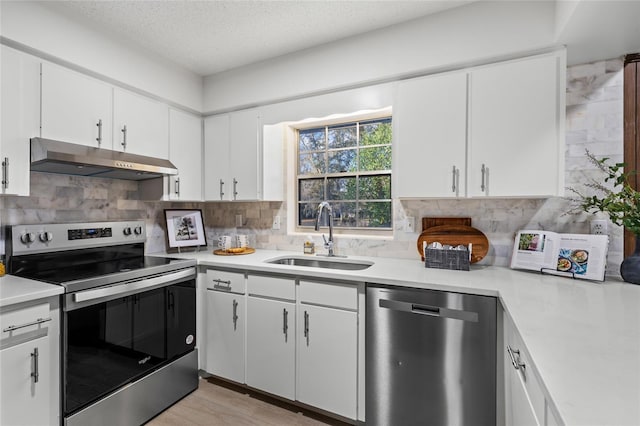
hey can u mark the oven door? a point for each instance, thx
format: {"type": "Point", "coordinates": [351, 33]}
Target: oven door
{"type": "Point", "coordinates": [117, 334]}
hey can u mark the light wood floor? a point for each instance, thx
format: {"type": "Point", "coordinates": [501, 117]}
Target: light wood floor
{"type": "Point", "coordinates": [213, 404]}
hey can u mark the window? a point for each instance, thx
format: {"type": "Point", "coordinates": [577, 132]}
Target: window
{"type": "Point", "coordinates": [348, 165]}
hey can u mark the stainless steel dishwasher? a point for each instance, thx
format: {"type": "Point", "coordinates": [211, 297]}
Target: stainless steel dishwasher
{"type": "Point", "coordinates": [430, 357]}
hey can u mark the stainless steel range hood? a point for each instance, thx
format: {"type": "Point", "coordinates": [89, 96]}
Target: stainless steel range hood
{"type": "Point", "coordinates": [68, 158]}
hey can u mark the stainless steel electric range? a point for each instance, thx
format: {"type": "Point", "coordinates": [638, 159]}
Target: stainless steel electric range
{"type": "Point", "coordinates": [128, 320]}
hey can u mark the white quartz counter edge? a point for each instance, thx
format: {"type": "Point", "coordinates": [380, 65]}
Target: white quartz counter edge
{"type": "Point", "coordinates": [17, 290]}
{"type": "Point", "coordinates": [583, 337]}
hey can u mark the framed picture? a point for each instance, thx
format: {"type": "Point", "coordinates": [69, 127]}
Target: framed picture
{"type": "Point", "coordinates": [185, 228]}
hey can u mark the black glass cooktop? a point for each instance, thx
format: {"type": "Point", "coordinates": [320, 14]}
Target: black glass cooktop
{"type": "Point", "coordinates": [89, 264]}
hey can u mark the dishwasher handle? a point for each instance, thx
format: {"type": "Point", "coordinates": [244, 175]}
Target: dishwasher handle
{"type": "Point", "coordinates": [433, 311]}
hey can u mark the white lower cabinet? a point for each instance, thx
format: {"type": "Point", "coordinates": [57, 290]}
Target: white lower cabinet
{"type": "Point", "coordinates": [525, 400]}
{"type": "Point", "coordinates": [226, 335]}
{"type": "Point", "coordinates": [25, 398]}
{"type": "Point", "coordinates": [271, 351]}
{"type": "Point", "coordinates": [271, 334]}
{"type": "Point", "coordinates": [328, 346]}
{"type": "Point", "coordinates": [290, 337]}
{"type": "Point", "coordinates": [225, 324]}
{"type": "Point", "coordinates": [328, 359]}
{"type": "Point", "coordinates": [29, 362]}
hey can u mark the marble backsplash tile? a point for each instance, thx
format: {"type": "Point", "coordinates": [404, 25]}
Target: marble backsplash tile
{"type": "Point", "coordinates": [593, 121]}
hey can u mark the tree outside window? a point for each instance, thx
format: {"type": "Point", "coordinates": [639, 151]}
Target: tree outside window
{"type": "Point", "coordinates": [348, 165]}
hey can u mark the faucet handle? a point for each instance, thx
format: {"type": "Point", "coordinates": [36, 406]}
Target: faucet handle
{"type": "Point", "coordinates": [326, 243]}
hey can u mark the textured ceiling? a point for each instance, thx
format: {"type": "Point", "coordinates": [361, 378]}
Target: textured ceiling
{"type": "Point", "coordinates": [208, 37]}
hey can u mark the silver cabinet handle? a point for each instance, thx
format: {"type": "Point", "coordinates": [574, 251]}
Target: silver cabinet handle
{"type": "Point", "coordinates": [235, 189]}
{"type": "Point", "coordinates": [235, 314]}
{"type": "Point", "coordinates": [517, 364]}
{"type": "Point", "coordinates": [432, 311]}
{"type": "Point", "coordinates": [5, 173]}
{"type": "Point", "coordinates": [483, 185]}
{"type": "Point", "coordinates": [124, 137]}
{"type": "Point", "coordinates": [453, 181]}
{"type": "Point", "coordinates": [177, 184]}
{"type": "Point", "coordinates": [306, 326]}
{"type": "Point", "coordinates": [29, 324]}
{"type": "Point", "coordinates": [285, 323]}
{"type": "Point", "coordinates": [35, 374]}
{"type": "Point", "coordinates": [99, 138]}
{"type": "Point", "coordinates": [219, 284]}
{"type": "Point", "coordinates": [221, 189]}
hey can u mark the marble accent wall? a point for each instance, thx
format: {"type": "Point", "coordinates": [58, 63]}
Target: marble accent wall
{"type": "Point", "coordinates": [594, 121]}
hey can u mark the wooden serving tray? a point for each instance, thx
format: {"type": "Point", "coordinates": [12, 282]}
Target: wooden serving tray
{"type": "Point", "coordinates": [429, 222]}
{"type": "Point", "coordinates": [455, 235]}
{"type": "Point", "coordinates": [247, 250]}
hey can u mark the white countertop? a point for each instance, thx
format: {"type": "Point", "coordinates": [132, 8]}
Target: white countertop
{"type": "Point", "coordinates": [17, 290]}
{"type": "Point", "coordinates": [583, 337]}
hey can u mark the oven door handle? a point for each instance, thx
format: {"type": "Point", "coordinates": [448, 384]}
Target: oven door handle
{"type": "Point", "coordinates": [134, 286]}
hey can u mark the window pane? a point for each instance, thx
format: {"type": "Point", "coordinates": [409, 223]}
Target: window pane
{"type": "Point", "coordinates": [344, 214]}
{"type": "Point", "coordinates": [375, 187]}
{"type": "Point", "coordinates": [375, 214]}
{"type": "Point", "coordinates": [311, 190]}
{"type": "Point", "coordinates": [341, 188]}
{"type": "Point", "coordinates": [342, 137]}
{"type": "Point", "coordinates": [307, 214]}
{"type": "Point", "coordinates": [378, 158]}
{"type": "Point", "coordinates": [311, 140]}
{"type": "Point", "coordinates": [342, 161]}
{"type": "Point", "coordinates": [375, 132]}
{"type": "Point", "coordinates": [311, 164]}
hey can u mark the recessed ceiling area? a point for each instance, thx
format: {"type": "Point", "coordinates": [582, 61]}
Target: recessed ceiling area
{"type": "Point", "coordinates": [208, 37]}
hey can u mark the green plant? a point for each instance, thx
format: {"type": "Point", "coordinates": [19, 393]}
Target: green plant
{"type": "Point", "coordinates": [621, 202]}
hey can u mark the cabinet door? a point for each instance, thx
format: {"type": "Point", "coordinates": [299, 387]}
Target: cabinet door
{"type": "Point", "coordinates": [25, 401]}
{"type": "Point", "coordinates": [73, 105]}
{"type": "Point", "coordinates": [244, 167]}
{"type": "Point", "coordinates": [20, 118]}
{"type": "Point", "coordinates": [185, 152]}
{"type": "Point", "coordinates": [328, 359]}
{"type": "Point", "coordinates": [430, 136]}
{"type": "Point", "coordinates": [225, 342]}
{"type": "Point", "coordinates": [216, 158]}
{"type": "Point", "coordinates": [514, 119]}
{"type": "Point", "coordinates": [271, 346]}
{"type": "Point", "coordinates": [519, 409]}
{"type": "Point", "coordinates": [147, 125]}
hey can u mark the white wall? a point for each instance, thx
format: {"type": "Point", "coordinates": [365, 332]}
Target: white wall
{"type": "Point", "coordinates": [473, 34]}
{"type": "Point", "coordinates": [39, 28]}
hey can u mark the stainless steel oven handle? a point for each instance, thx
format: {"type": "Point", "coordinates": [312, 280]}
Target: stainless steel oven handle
{"type": "Point", "coordinates": [99, 293]}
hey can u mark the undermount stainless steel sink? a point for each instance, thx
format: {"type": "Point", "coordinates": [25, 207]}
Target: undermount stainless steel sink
{"type": "Point", "coordinates": [317, 262]}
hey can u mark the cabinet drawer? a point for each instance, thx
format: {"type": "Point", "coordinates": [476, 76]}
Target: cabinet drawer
{"type": "Point", "coordinates": [24, 320]}
{"type": "Point", "coordinates": [232, 282]}
{"type": "Point", "coordinates": [278, 288]}
{"type": "Point", "coordinates": [343, 296]}
{"type": "Point", "coordinates": [529, 377]}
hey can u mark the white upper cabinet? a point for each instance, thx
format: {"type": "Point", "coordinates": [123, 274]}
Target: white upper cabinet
{"type": "Point", "coordinates": [76, 108]}
{"type": "Point", "coordinates": [232, 157]}
{"type": "Point", "coordinates": [515, 139]}
{"type": "Point", "coordinates": [216, 157]}
{"type": "Point", "coordinates": [20, 120]}
{"type": "Point", "coordinates": [141, 125]}
{"type": "Point", "coordinates": [243, 155]}
{"type": "Point", "coordinates": [430, 116]}
{"type": "Point", "coordinates": [185, 152]}
{"type": "Point", "coordinates": [495, 130]}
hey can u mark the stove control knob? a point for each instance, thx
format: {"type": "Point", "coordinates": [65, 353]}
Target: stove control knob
{"type": "Point", "coordinates": [27, 237]}
{"type": "Point", "coordinates": [45, 236]}
{"type": "Point", "coordinates": [138, 230]}
{"type": "Point", "coordinates": [127, 231]}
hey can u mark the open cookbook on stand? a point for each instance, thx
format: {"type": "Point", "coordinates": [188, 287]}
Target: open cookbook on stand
{"type": "Point", "coordinates": [581, 256]}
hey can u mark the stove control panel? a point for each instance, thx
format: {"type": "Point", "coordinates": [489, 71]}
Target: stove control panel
{"type": "Point", "coordinates": [86, 233]}
{"type": "Point", "coordinates": [39, 238]}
